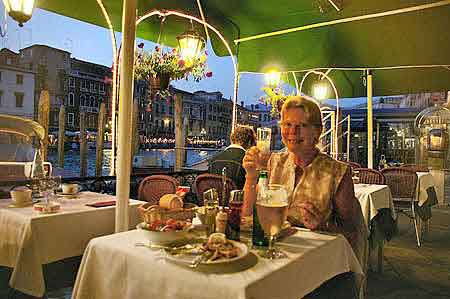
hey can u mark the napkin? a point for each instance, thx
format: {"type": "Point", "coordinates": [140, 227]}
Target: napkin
{"type": "Point", "coordinates": [100, 204]}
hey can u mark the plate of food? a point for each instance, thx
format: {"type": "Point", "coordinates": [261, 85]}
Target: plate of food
{"type": "Point", "coordinates": [217, 249]}
{"type": "Point", "coordinates": [163, 232]}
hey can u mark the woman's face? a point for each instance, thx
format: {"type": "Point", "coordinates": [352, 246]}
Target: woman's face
{"type": "Point", "coordinates": [298, 135]}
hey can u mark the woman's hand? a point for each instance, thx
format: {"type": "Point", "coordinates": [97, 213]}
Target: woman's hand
{"type": "Point", "coordinates": [311, 216]}
{"type": "Point", "coordinates": [253, 160]}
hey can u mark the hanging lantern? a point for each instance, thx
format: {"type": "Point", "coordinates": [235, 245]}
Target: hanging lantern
{"type": "Point", "coordinates": [320, 90]}
{"type": "Point", "coordinates": [19, 10]}
{"type": "Point", "coordinates": [190, 44]}
{"type": "Point", "coordinates": [273, 78]}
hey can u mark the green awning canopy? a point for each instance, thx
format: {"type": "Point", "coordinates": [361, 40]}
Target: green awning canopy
{"type": "Point", "coordinates": [413, 38]}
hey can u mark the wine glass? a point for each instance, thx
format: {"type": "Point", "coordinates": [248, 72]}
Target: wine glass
{"type": "Point", "coordinates": [272, 208]}
{"type": "Point", "coordinates": [263, 140]}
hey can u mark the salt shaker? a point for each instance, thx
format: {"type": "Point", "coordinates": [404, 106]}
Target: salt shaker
{"type": "Point", "coordinates": [211, 202]}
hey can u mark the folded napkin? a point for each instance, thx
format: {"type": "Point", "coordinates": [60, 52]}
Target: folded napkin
{"type": "Point", "coordinates": [100, 204]}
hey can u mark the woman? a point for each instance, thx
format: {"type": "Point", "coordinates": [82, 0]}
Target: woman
{"type": "Point", "coordinates": [320, 189]}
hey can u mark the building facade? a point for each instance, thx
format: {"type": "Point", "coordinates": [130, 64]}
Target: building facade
{"type": "Point", "coordinates": [17, 85]}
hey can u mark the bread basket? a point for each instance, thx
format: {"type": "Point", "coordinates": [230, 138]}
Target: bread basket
{"type": "Point", "coordinates": [150, 213]}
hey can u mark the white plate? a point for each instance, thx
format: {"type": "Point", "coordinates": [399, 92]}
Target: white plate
{"type": "Point", "coordinates": [68, 194]}
{"type": "Point", "coordinates": [188, 259]}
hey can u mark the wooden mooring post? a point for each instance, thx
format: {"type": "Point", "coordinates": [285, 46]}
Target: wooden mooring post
{"type": "Point", "coordinates": [99, 142]}
{"type": "Point", "coordinates": [43, 116]}
{"type": "Point", "coordinates": [61, 135]}
{"type": "Point", "coordinates": [83, 145]}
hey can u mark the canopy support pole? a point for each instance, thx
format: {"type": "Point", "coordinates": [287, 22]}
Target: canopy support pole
{"type": "Point", "coordinates": [125, 112]}
{"type": "Point", "coordinates": [369, 120]}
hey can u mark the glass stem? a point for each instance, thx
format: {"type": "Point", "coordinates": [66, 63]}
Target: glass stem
{"type": "Point", "coordinates": [271, 239]}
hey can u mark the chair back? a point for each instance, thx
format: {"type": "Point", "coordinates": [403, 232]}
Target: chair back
{"type": "Point", "coordinates": [353, 165]}
{"type": "Point", "coordinates": [401, 181]}
{"type": "Point", "coordinates": [415, 168]}
{"type": "Point", "coordinates": [370, 176]}
{"type": "Point", "coordinates": [153, 187]}
{"type": "Point", "coordinates": [207, 181]}
{"type": "Point", "coordinates": [234, 170]}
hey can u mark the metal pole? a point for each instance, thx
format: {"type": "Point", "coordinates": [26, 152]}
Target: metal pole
{"type": "Point", "coordinates": [348, 137]}
{"type": "Point", "coordinates": [125, 112]}
{"type": "Point", "coordinates": [369, 120]}
{"type": "Point", "coordinates": [333, 135]}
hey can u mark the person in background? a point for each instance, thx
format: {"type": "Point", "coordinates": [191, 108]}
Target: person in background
{"type": "Point", "coordinates": [242, 138]}
{"type": "Point", "coordinates": [320, 188]}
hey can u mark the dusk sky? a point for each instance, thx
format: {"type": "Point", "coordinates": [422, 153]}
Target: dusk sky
{"type": "Point", "coordinates": [92, 43]}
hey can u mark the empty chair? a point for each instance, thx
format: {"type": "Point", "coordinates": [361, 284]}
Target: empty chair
{"type": "Point", "coordinates": [370, 176]}
{"type": "Point", "coordinates": [415, 167]}
{"type": "Point", "coordinates": [207, 181]}
{"type": "Point", "coordinates": [153, 187]}
{"type": "Point", "coordinates": [402, 183]}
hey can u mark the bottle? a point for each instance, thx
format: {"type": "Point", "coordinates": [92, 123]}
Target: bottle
{"type": "Point", "coordinates": [211, 202]}
{"type": "Point", "coordinates": [221, 221]}
{"type": "Point", "coordinates": [233, 231]}
{"type": "Point", "coordinates": [258, 236]}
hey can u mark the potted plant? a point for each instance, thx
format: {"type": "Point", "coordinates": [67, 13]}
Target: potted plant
{"type": "Point", "coordinates": [158, 67]}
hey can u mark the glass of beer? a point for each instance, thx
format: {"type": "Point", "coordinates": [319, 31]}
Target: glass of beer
{"type": "Point", "coordinates": [272, 208]}
{"type": "Point", "coordinates": [263, 140]}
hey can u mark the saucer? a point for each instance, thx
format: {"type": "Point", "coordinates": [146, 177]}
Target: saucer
{"type": "Point", "coordinates": [68, 194]}
{"type": "Point", "coordinates": [22, 205]}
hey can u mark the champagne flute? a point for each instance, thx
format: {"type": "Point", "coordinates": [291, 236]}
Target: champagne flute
{"type": "Point", "coordinates": [272, 208]}
{"type": "Point", "coordinates": [263, 140]}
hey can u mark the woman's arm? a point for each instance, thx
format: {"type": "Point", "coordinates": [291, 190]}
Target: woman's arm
{"type": "Point", "coordinates": [249, 195]}
{"type": "Point", "coordinates": [347, 211]}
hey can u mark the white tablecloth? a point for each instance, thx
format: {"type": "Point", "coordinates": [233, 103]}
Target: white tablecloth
{"type": "Point", "coordinates": [424, 181]}
{"type": "Point", "coordinates": [114, 268]}
{"type": "Point", "coordinates": [29, 239]}
{"type": "Point", "coordinates": [373, 198]}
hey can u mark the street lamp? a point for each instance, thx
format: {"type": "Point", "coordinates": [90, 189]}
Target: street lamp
{"type": "Point", "coordinates": [320, 90]}
{"type": "Point", "coordinates": [19, 10]}
{"type": "Point", "coordinates": [190, 44]}
{"type": "Point", "coordinates": [273, 78]}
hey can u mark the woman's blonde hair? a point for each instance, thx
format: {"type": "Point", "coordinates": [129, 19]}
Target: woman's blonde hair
{"type": "Point", "coordinates": [310, 107]}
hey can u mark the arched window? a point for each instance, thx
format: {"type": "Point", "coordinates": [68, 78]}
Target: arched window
{"type": "Point", "coordinates": [71, 99]}
{"type": "Point", "coordinates": [82, 100]}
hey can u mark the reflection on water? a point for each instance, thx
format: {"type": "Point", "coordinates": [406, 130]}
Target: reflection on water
{"type": "Point", "coordinates": [164, 158]}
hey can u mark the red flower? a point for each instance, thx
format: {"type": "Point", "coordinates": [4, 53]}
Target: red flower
{"type": "Point", "coordinates": [157, 49]}
{"type": "Point", "coordinates": [209, 74]}
{"type": "Point", "coordinates": [181, 63]}
{"type": "Point", "coordinates": [141, 45]}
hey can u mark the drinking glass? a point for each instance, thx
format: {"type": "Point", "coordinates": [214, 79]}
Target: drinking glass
{"type": "Point", "coordinates": [272, 208]}
{"type": "Point", "coordinates": [263, 140]}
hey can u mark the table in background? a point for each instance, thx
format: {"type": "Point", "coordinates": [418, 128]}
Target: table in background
{"type": "Point", "coordinates": [379, 215]}
{"type": "Point", "coordinates": [29, 239]}
{"type": "Point", "coordinates": [114, 268]}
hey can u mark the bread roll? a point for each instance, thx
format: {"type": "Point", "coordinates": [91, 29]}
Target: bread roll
{"type": "Point", "coordinates": [170, 202]}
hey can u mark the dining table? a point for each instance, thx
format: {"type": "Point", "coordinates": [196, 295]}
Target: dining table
{"type": "Point", "coordinates": [30, 239]}
{"type": "Point", "coordinates": [114, 267]}
{"type": "Point", "coordinates": [379, 214]}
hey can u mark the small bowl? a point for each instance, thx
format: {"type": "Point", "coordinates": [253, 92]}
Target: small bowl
{"type": "Point", "coordinates": [161, 238]}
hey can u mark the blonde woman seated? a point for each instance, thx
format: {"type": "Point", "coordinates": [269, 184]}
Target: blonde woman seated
{"type": "Point", "coordinates": [320, 189]}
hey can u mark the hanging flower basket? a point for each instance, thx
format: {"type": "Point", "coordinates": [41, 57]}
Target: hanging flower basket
{"type": "Point", "coordinates": [159, 82]}
{"type": "Point", "coordinates": [275, 98]}
{"type": "Point", "coordinates": [159, 67]}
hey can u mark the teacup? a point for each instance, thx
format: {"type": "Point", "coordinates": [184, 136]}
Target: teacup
{"type": "Point", "coordinates": [70, 188]}
{"type": "Point", "coordinates": [21, 196]}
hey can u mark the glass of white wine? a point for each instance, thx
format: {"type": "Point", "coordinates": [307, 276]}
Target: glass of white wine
{"type": "Point", "coordinates": [272, 209]}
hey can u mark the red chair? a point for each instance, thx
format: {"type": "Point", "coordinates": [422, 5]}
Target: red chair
{"type": "Point", "coordinates": [402, 183]}
{"type": "Point", "coordinates": [153, 187]}
{"type": "Point", "coordinates": [207, 181]}
{"type": "Point", "coordinates": [415, 168]}
{"type": "Point", "coordinates": [370, 176]}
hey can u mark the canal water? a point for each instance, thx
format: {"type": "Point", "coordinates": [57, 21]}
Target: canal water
{"type": "Point", "coordinates": [164, 158]}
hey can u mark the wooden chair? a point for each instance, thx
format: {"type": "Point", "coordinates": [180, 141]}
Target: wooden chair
{"type": "Point", "coordinates": [415, 168]}
{"type": "Point", "coordinates": [353, 165]}
{"type": "Point", "coordinates": [402, 183]}
{"type": "Point", "coordinates": [370, 176]}
{"type": "Point", "coordinates": [207, 181]}
{"type": "Point", "coordinates": [153, 187]}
